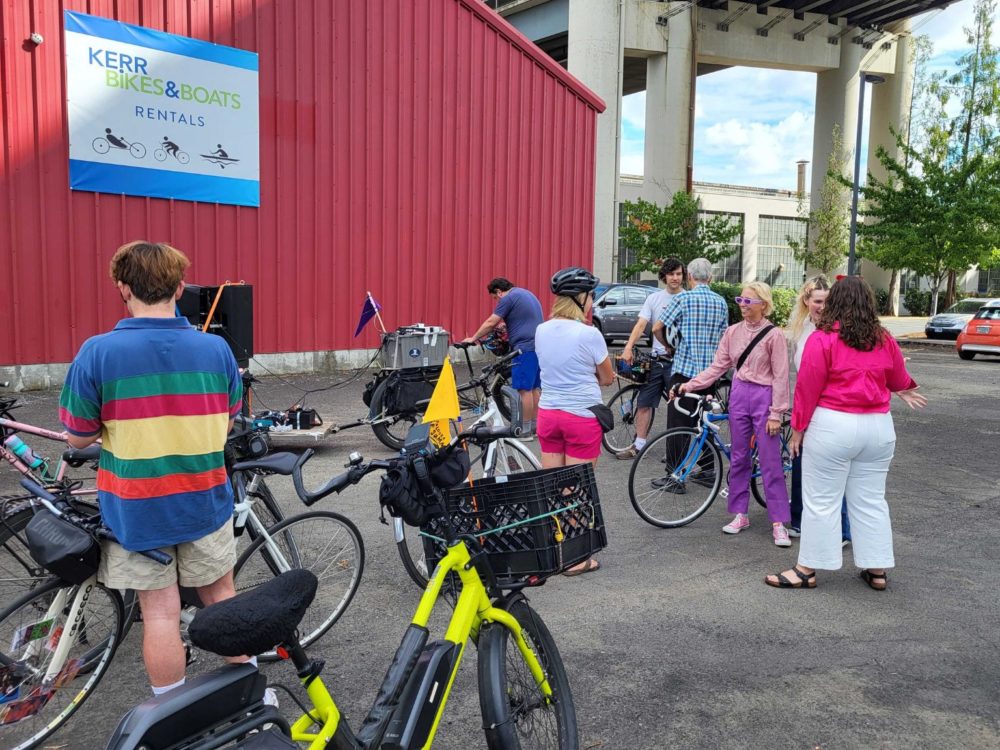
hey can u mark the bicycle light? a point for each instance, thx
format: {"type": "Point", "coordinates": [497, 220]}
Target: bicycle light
{"type": "Point", "coordinates": [354, 459]}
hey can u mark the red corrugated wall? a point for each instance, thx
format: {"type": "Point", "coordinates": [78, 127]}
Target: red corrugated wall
{"type": "Point", "coordinates": [414, 148]}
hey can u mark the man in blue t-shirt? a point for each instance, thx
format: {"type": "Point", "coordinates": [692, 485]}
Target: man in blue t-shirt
{"type": "Point", "coordinates": [521, 312]}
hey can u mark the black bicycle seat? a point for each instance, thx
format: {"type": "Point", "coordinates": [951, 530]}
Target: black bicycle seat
{"type": "Point", "coordinates": [80, 456]}
{"type": "Point", "coordinates": [274, 463]}
{"type": "Point", "coordinates": [257, 620]}
{"type": "Point", "coordinates": [464, 344]}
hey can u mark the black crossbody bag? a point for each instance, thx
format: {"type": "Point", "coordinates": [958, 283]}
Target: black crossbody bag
{"type": "Point", "coordinates": [746, 352]}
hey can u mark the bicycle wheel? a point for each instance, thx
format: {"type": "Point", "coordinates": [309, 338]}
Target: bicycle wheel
{"type": "Point", "coordinates": [30, 630]}
{"type": "Point", "coordinates": [675, 478]}
{"type": "Point", "coordinates": [100, 145]}
{"type": "Point", "coordinates": [515, 711]}
{"type": "Point", "coordinates": [412, 553]}
{"type": "Point", "coordinates": [623, 406]}
{"type": "Point", "coordinates": [160, 154]}
{"type": "Point", "coordinates": [182, 157]}
{"type": "Point", "coordinates": [327, 544]}
{"type": "Point", "coordinates": [757, 482]}
{"type": "Point", "coordinates": [391, 431]}
{"type": "Point", "coordinates": [137, 150]}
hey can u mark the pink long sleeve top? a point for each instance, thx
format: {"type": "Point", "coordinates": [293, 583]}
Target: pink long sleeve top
{"type": "Point", "coordinates": [766, 365]}
{"type": "Point", "coordinates": [835, 376]}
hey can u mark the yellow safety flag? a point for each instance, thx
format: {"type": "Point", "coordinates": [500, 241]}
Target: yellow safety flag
{"type": "Point", "coordinates": [443, 407]}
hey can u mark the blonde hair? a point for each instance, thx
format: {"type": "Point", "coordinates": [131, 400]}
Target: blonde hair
{"type": "Point", "coordinates": [800, 313]}
{"type": "Point", "coordinates": [567, 307]}
{"type": "Point", "coordinates": [763, 291]}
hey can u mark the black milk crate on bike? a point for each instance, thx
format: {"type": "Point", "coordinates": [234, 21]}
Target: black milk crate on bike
{"type": "Point", "coordinates": [531, 548]}
{"type": "Point", "coordinates": [415, 346]}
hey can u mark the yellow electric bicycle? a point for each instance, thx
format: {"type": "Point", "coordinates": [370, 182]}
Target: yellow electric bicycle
{"type": "Point", "coordinates": [488, 540]}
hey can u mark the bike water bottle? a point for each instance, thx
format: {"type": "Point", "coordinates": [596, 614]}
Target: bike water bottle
{"type": "Point", "coordinates": [23, 451]}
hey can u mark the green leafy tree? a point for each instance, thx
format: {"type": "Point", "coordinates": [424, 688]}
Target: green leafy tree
{"type": "Point", "coordinates": [932, 216]}
{"type": "Point", "coordinates": [654, 233]}
{"type": "Point", "coordinates": [828, 236]}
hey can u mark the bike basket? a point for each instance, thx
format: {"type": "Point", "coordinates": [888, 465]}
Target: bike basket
{"type": "Point", "coordinates": [637, 370]}
{"type": "Point", "coordinates": [517, 511]}
{"type": "Point", "coordinates": [62, 548]}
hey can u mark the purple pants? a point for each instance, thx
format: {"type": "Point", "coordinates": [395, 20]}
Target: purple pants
{"type": "Point", "coordinates": [749, 405]}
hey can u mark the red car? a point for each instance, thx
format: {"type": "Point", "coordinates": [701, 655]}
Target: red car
{"type": "Point", "coordinates": [982, 333]}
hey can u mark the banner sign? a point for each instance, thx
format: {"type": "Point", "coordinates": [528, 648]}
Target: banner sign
{"type": "Point", "coordinates": [160, 115]}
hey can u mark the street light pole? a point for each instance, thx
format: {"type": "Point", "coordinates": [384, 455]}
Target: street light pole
{"type": "Point", "coordinates": [863, 79]}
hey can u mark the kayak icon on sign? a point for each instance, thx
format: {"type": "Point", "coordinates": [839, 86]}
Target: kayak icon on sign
{"type": "Point", "coordinates": [414, 353]}
{"type": "Point", "coordinates": [219, 156]}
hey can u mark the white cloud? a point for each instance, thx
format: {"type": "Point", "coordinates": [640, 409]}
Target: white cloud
{"type": "Point", "coordinates": [756, 153]}
{"type": "Point", "coordinates": [634, 111]}
{"type": "Point", "coordinates": [945, 28]}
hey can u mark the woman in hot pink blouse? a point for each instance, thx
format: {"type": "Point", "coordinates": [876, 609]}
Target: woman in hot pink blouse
{"type": "Point", "coordinates": [757, 404]}
{"type": "Point", "coordinates": [850, 368]}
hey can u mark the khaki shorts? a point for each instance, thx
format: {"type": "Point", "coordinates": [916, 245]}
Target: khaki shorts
{"type": "Point", "coordinates": [196, 563]}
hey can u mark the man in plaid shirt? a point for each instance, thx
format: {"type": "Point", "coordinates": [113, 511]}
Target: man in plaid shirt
{"type": "Point", "coordinates": [701, 317]}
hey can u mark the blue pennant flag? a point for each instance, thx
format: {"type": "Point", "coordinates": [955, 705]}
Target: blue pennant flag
{"type": "Point", "coordinates": [368, 311]}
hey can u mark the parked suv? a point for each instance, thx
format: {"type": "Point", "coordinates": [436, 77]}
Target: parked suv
{"type": "Point", "coordinates": [617, 308]}
{"type": "Point", "coordinates": [951, 322]}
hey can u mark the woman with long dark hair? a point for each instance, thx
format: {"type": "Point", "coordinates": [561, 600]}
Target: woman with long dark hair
{"type": "Point", "coordinates": [850, 368]}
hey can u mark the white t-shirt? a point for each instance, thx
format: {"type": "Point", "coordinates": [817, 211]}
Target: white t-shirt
{"type": "Point", "coordinates": [652, 309]}
{"type": "Point", "coordinates": [807, 328]}
{"type": "Point", "coordinates": [568, 355]}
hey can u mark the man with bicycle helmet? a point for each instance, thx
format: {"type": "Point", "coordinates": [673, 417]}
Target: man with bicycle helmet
{"type": "Point", "coordinates": [574, 362]}
{"type": "Point", "coordinates": [521, 312]}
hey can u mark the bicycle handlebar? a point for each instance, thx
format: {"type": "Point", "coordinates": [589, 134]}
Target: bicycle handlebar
{"type": "Point", "coordinates": [58, 506]}
{"type": "Point", "coordinates": [483, 433]}
{"type": "Point", "coordinates": [701, 399]}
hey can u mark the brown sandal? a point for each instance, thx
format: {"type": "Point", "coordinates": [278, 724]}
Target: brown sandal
{"type": "Point", "coordinates": [877, 581]}
{"type": "Point", "coordinates": [806, 580]}
{"type": "Point", "coordinates": [588, 566]}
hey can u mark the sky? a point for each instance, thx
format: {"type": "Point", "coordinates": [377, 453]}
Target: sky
{"type": "Point", "coordinates": [742, 138]}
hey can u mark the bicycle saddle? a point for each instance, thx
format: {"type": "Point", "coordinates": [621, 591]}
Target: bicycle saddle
{"type": "Point", "coordinates": [80, 456]}
{"type": "Point", "coordinates": [275, 463]}
{"type": "Point", "coordinates": [256, 620]}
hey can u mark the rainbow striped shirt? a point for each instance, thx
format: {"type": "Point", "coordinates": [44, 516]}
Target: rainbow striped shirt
{"type": "Point", "coordinates": [161, 394]}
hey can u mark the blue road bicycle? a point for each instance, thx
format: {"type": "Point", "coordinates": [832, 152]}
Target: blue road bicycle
{"type": "Point", "coordinates": [679, 473]}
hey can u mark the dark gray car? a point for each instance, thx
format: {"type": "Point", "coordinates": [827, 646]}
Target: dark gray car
{"type": "Point", "coordinates": [617, 307]}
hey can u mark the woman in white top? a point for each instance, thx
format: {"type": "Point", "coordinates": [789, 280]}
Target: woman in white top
{"type": "Point", "coordinates": [808, 307]}
{"type": "Point", "coordinates": [574, 363]}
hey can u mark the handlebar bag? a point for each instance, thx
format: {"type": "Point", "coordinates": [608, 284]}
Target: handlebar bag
{"type": "Point", "coordinates": [62, 548]}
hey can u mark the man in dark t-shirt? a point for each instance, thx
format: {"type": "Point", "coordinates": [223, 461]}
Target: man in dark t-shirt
{"type": "Point", "coordinates": [521, 312]}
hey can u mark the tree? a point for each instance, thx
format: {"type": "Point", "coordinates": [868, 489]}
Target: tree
{"type": "Point", "coordinates": [976, 85]}
{"type": "Point", "coordinates": [654, 233]}
{"type": "Point", "coordinates": [828, 236]}
{"type": "Point", "coordinates": [932, 216]}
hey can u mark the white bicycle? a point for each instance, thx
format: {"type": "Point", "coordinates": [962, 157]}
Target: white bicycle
{"type": "Point", "coordinates": [494, 451]}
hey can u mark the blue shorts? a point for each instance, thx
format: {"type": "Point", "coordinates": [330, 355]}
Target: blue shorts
{"type": "Point", "coordinates": [525, 374]}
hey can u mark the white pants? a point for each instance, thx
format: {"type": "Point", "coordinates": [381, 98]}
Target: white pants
{"type": "Point", "coordinates": [846, 455]}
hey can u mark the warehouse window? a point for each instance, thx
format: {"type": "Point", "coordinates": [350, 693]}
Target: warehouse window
{"type": "Point", "coordinates": [776, 263]}
{"type": "Point", "coordinates": [730, 268]}
{"type": "Point", "coordinates": [989, 281]}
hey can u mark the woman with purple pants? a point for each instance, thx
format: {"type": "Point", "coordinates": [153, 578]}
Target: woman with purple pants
{"type": "Point", "coordinates": [757, 404]}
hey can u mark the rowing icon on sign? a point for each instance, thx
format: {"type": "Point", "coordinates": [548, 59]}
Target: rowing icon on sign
{"type": "Point", "coordinates": [219, 156]}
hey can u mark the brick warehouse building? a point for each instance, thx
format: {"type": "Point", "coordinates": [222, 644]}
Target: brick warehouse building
{"type": "Point", "coordinates": [412, 149]}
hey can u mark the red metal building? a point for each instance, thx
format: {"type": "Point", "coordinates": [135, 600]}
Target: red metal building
{"type": "Point", "coordinates": [414, 149]}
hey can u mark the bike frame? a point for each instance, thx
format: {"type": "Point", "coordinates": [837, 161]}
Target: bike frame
{"type": "Point", "coordinates": [11, 458]}
{"type": "Point", "coordinates": [473, 608]}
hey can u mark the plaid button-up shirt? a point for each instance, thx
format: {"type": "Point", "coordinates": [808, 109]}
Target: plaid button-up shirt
{"type": "Point", "coordinates": [702, 316]}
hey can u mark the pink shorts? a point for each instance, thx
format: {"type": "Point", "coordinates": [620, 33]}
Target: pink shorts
{"type": "Point", "coordinates": [562, 432]}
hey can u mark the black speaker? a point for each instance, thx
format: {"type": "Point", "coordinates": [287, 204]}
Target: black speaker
{"type": "Point", "coordinates": [232, 319]}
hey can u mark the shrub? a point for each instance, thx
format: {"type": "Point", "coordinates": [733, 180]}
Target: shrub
{"type": "Point", "coordinates": [917, 302]}
{"type": "Point", "coordinates": [882, 301]}
{"type": "Point", "coordinates": [784, 300]}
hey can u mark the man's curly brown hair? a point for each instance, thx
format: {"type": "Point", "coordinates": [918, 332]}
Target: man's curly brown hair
{"type": "Point", "coordinates": [851, 303]}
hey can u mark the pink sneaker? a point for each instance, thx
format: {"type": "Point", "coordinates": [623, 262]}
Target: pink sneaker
{"type": "Point", "coordinates": [781, 536]}
{"type": "Point", "coordinates": [742, 521]}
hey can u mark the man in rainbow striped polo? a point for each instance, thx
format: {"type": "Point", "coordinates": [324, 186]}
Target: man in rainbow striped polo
{"type": "Point", "coordinates": [161, 396]}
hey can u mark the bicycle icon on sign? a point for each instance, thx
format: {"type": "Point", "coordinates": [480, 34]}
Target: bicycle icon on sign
{"type": "Point", "coordinates": [169, 148]}
{"type": "Point", "coordinates": [104, 143]}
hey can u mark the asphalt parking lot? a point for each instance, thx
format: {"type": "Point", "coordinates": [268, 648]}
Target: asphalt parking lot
{"type": "Point", "coordinates": [676, 642]}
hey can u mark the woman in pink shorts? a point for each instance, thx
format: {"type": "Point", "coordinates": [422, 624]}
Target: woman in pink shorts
{"type": "Point", "coordinates": [574, 364]}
